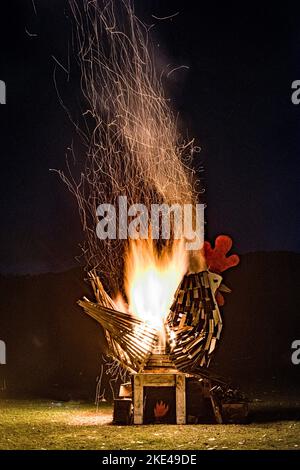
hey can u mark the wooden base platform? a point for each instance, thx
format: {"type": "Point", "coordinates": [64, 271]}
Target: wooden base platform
{"type": "Point", "coordinates": [174, 382]}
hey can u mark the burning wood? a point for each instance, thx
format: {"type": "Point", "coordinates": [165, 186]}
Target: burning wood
{"type": "Point", "coordinates": [167, 296]}
{"type": "Point", "coordinates": [192, 327]}
{"type": "Point", "coordinates": [129, 339]}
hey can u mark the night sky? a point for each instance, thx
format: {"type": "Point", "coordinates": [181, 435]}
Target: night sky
{"type": "Point", "coordinates": [234, 98]}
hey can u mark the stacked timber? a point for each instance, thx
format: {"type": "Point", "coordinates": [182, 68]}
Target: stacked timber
{"type": "Point", "coordinates": [193, 327]}
{"type": "Point", "coordinates": [194, 323]}
{"type": "Point", "coordinates": [159, 361]}
{"type": "Point", "coordinates": [129, 339]}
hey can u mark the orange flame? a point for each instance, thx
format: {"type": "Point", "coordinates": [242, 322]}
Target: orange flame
{"type": "Point", "coordinates": [151, 279]}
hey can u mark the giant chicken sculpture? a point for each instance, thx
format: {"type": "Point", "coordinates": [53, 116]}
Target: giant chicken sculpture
{"type": "Point", "coordinates": [192, 328]}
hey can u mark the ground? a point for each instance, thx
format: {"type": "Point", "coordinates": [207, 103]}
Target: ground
{"type": "Point", "coordinates": [73, 425]}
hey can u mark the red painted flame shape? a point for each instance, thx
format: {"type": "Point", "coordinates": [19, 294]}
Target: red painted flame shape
{"type": "Point", "coordinates": [161, 409]}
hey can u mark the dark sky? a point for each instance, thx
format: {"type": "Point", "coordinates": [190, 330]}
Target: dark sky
{"type": "Point", "coordinates": [235, 98]}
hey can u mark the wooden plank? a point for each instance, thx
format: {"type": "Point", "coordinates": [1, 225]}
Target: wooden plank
{"type": "Point", "coordinates": [217, 409]}
{"type": "Point", "coordinates": [138, 396]}
{"type": "Point", "coordinates": [157, 380]}
{"type": "Point", "coordinates": [180, 399]}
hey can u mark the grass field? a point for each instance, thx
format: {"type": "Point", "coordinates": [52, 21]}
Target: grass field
{"type": "Point", "coordinates": [50, 425]}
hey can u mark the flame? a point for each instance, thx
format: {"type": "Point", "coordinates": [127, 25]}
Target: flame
{"type": "Point", "coordinates": [151, 279]}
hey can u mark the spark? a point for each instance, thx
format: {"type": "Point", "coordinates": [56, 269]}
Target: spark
{"type": "Point", "coordinates": [177, 68]}
{"type": "Point", "coordinates": [165, 17]}
{"type": "Point", "coordinates": [32, 35]}
{"type": "Point", "coordinates": [34, 7]}
{"type": "Point", "coordinates": [60, 64]}
{"type": "Point", "coordinates": [130, 133]}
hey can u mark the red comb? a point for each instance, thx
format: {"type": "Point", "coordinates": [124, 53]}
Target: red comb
{"type": "Point", "coordinates": [216, 258]}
